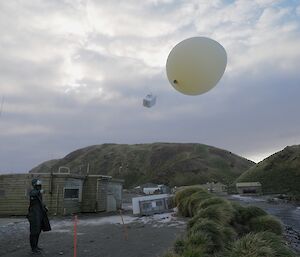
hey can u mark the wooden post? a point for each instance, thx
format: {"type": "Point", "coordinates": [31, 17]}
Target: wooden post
{"type": "Point", "coordinates": [124, 227]}
{"type": "Point", "coordinates": [57, 195]}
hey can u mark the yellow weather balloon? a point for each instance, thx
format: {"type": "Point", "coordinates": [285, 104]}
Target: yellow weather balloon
{"type": "Point", "coordinates": [195, 65]}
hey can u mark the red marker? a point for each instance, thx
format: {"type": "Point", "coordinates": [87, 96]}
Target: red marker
{"type": "Point", "coordinates": [75, 236]}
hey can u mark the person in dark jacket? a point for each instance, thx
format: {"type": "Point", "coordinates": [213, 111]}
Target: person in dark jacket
{"type": "Point", "coordinates": [37, 215]}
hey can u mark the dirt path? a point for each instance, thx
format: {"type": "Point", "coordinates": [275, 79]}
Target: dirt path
{"type": "Point", "coordinates": [98, 236]}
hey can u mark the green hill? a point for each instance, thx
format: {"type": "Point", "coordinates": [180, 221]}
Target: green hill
{"type": "Point", "coordinates": [169, 163]}
{"type": "Point", "coordinates": [279, 173]}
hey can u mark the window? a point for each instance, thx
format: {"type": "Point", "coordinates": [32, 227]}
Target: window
{"type": "Point", "coordinates": [2, 193]}
{"type": "Point", "coordinates": [249, 191]}
{"type": "Point", "coordinates": [147, 206]}
{"type": "Point", "coordinates": [71, 193]}
{"type": "Point", "coordinates": [159, 203]}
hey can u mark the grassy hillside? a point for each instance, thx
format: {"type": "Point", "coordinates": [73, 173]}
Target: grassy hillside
{"type": "Point", "coordinates": [279, 173]}
{"type": "Point", "coordinates": [170, 163]}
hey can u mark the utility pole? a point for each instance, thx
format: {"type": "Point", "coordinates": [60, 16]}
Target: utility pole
{"type": "Point", "coordinates": [88, 168]}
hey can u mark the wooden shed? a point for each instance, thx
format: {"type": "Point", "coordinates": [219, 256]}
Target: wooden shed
{"type": "Point", "coordinates": [249, 188]}
{"type": "Point", "coordinates": [101, 193]}
{"type": "Point", "coordinates": [64, 193]}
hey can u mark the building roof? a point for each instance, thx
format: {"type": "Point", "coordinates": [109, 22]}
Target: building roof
{"type": "Point", "coordinates": [248, 184]}
{"type": "Point", "coordinates": [150, 197]}
{"type": "Point", "coordinates": [148, 185]}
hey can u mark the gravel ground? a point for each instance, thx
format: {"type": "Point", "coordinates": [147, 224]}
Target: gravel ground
{"type": "Point", "coordinates": [98, 236]}
{"type": "Point", "coordinates": [104, 235]}
{"type": "Point", "coordinates": [288, 214]}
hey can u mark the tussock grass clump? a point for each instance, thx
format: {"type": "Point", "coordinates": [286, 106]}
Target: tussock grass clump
{"type": "Point", "coordinates": [243, 216]}
{"type": "Point", "coordinates": [199, 241]}
{"type": "Point", "coordinates": [266, 223]}
{"type": "Point", "coordinates": [221, 228]}
{"type": "Point", "coordinates": [211, 201]}
{"type": "Point", "coordinates": [237, 207]}
{"type": "Point", "coordinates": [183, 193]}
{"type": "Point", "coordinates": [183, 207]}
{"type": "Point", "coordinates": [188, 200]}
{"type": "Point", "coordinates": [221, 213]}
{"type": "Point", "coordinates": [170, 254]}
{"type": "Point", "coordinates": [237, 221]}
{"type": "Point", "coordinates": [195, 201]}
{"type": "Point", "coordinates": [250, 212]}
{"type": "Point", "coordinates": [207, 234]}
{"type": "Point", "coordinates": [179, 246]}
{"type": "Point", "coordinates": [263, 244]}
{"type": "Point", "coordinates": [194, 251]}
{"type": "Point", "coordinates": [229, 234]}
{"type": "Point", "coordinates": [193, 221]}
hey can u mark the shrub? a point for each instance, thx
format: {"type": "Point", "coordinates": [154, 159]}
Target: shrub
{"type": "Point", "coordinates": [183, 193]}
{"type": "Point", "coordinates": [171, 202]}
{"type": "Point", "coordinates": [237, 210]}
{"type": "Point", "coordinates": [246, 213]}
{"type": "Point", "coordinates": [206, 234]}
{"type": "Point", "coordinates": [189, 199]}
{"type": "Point", "coordinates": [263, 244]}
{"type": "Point", "coordinates": [242, 217]}
{"type": "Point", "coordinates": [183, 207]}
{"type": "Point", "coordinates": [195, 201]}
{"type": "Point", "coordinates": [216, 225]}
{"type": "Point", "coordinates": [266, 223]}
{"type": "Point", "coordinates": [237, 207]}
{"type": "Point", "coordinates": [237, 221]}
{"type": "Point", "coordinates": [193, 221]}
{"type": "Point", "coordinates": [211, 201]}
{"type": "Point", "coordinates": [192, 251]}
{"type": "Point", "coordinates": [251, 212]}
{"type": "Point", "coordinates": [228, 234]}
{"type": "Point", "coordinates": [179, 246]}
{"type": "Point", "coordinates": [221, 213]}
{"type": "Point", "coordinates": [199, 239]}
{"type": "Point", "coordinates": [170, 254]}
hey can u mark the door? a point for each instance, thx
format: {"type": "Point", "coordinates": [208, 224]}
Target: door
{"type": "Point", "coordinates": [101, 195]}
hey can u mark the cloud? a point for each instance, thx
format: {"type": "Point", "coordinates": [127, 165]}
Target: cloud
{"type": "Point", "coordinates": [74, 73]}
{"type": "Point", "coordinates": [148, 19]}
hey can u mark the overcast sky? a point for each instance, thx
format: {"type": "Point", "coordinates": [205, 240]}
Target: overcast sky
{"type": "Point", "coordinates": [74, 73]}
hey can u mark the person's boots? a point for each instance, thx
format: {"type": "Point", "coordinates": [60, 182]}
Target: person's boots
{"type": "Point", "coordinates": [37, 242]}
{"type": "Point", "coordinates": [35, 252]}
{"type": "Point", "coordinates": [33, 243]}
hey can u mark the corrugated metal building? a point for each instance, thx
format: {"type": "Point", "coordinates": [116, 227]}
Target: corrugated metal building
{"type": "Point", "coordinates": [65, 193]}
{"type": "Point", "coordinates": [249, 187]}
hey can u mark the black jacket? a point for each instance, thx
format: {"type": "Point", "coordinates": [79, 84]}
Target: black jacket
{"type": "Point", "coordinates": [37, 213]}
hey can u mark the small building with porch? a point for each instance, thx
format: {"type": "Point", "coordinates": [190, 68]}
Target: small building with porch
{"type": "Point", "coordinates": [214, 187]}
{"type": "Point", "coordinates": [64, 193]}
{"type": "Point", "coordinates": [249, 188]}
{"type": "Point", "coordinates": [151, 188]}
